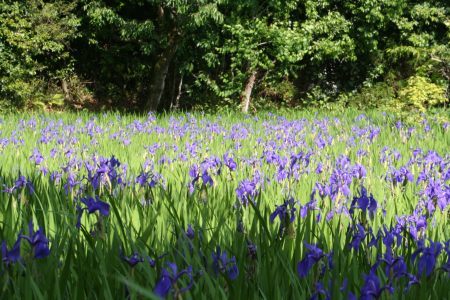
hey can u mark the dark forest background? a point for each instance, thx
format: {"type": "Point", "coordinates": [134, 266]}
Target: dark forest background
{"type": "Point", "coordinates": [140, 55]}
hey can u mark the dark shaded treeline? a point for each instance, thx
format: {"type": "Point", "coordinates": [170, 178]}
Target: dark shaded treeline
{"type": "Point", "coordinates": [156, 55]}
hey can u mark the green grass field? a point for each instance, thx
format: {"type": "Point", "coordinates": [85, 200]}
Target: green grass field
{"type": "Point", "coordinates": [173, 189]}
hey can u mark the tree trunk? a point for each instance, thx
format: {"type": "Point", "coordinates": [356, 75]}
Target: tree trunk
{"type": "Point", "coordinates": [173, 87]}
{"type": "Point", "coordinates": [248, 91]}
{"type": "Point", "coordinates": [177, 101]}
{"type": "Point", "coordinates": [65, 89]}
{"type": "Point", "coordinates": [157, 81]}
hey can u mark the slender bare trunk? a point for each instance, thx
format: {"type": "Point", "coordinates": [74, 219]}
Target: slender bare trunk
{"type": "Point", "coordinates": [65, 89]}
{"type": "Point", "coordinates": [177, 101]}
{"type": "Point", "coordinates": [173, 86]}
{"type": "Point", "coordinates": [157, 81]}
{"type": "Point", "coordinates": [248, 91]}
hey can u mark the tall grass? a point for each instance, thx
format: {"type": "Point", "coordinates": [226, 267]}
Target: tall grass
{"type": "Point", "coordinates": [86, 263]}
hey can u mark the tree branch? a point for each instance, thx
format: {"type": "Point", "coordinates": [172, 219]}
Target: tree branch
{"type": "Point", "coordinates": [438, 60]}
{"type": "Point", "coordinates": [435, 59]}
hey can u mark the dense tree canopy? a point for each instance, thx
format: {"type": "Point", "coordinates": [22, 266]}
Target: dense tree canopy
{"type": "Point", "coordinates": [212, 54]}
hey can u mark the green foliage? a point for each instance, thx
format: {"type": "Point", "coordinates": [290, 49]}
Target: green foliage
{"type": "Point", "coordinates": [269, 47]}
{"type": "Point", "coordinates": [207, 102]}
{"type": "Point", "coordinates": [283, 91]}
{"type": "Point", "coordinates": [431, 59]}
{"type": "Point", "coordinates": [34, 50]}
{"type": "Point", "coordinates": [377, 96]}
{"type": "Point", "coordinates": [316, 99]}
{"type": "Point", "coordinates": [346, 48]}
{"type": "Point", "coordinates": [416, 98]}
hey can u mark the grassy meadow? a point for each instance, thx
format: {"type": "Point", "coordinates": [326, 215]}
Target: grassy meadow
{"type": "Point", "coordinates": [197, 206]}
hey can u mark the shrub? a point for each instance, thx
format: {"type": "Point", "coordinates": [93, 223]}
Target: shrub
{"type": "Point", "coordinates": [377, 96]}
{"type": "Point", "coordinates": [416, 98]}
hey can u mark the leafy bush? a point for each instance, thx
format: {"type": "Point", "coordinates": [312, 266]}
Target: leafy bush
{"type": "Point", "coordinates": [316, 98]}
{"type": "Point", "coordinates": [377, 96]}
{"type": "Point", "coordinates": [34, 51]}
{"type": "Point", "coordinates": [277, 94]}
{"type": "Point", "coordinates": [416, 98]}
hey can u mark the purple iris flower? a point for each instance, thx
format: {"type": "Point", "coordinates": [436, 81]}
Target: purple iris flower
{"type": "Point", "coordinates": [407, 175]}
{"type": "Point", "coordinates": [399, 269]}
{"type": "Point", "coordinates": [320, 142]}
{"type": "Point", "coordinates": [321, 289]}
{"type": "Point", "coordinates": [413, 279]}
{"type": "Point", "coordinates": [396, 154]}
{"type": "Point", "coordinates": [311, 205]}
{"type": "Point", "coordinates": [417, 151]}
{"type": "Point", "coordinates": [53, 152]}
{"type": "Point", "coordinates": [446, 267]}
{"type": "Point", "coordinates": [429, 255]}
{"type": "Point", "coordinates": [93, 179]}
{"type": "Point", "coordinates": [429, 205]}
{"type": "Point", "coordinates": [134, 260]}
{"type": "Point", "coordinates": [229, 162]}
{"type": "Point", "coordinates": [435, 191]}
{"type": "Point", "coordinates": [388, 237]}
{"type": "Point", "coordinates": [22, 182]}
{"type": "Point", "coordinates": [282, 211]}
{"type": "Point", "coordinates": [190, 233]}
{"type": "Point", "coordinates": [207, 178]}
{"type": "Point", "coordinates": [319, 168]}
{"type": "Point", "coordinates": [446, 175]}
{"type": "Point", "coordinates": [194, 173]}
{"type": "Point", "coordinates": [418, 223]}
{"type": "Point", "coordinates": [341, 180]}
{"type": "Point", "coordinates": [8, 190]}
{"type": "Point", "coordinates": [422, 177]}
{"type": "Point", "coordinates": [92, 207]}
{"type": "Point", "coordinates": [9, 257]}
{"type": "Point", "coordinates": [295, 158]}
{"type": "Point", "coordinates": [401, 176]}
{"type": "Point", "coordinates": [70, 152]}
{"type": "Point", "coordinates": [270, 157]}
{"type": "Point", "coordinates": [151, 262]}
{"type": "Point", "coordinates": [321, 188]}
{"type": "Point", "coordinates": [144, 178]}
{"type": "Point", "coordinates": [245, 188]}
{"type": "Point", "coordinates": [220, 263]}
{"type": "Point", "coordinates": [311, 258]}
{"type": "Point", "coordinates": [396, 265]}
{"type": "Point", "coordinates": [38, 241]}
{"type": "Point", "coordinates": [363, 202]}
{"type": "Point", "coordinates": [103, 167]}
{"type": "Point", "coordinates": [358, 237]}
{"type": "Point", "coordinates": [329, 215]}
{"type": "Point", "coordinates": [166, 281]}
{"type": "Point", "coordinates": [374, 133]}
{"type": "Point", "coordinates": [359, 171]}
{"type": "Point", "coordinates": [71, 183]}
{"type": "Point", "coordinates": [240, 227]}
{"type": "Point", "coordinates": [252, 249]}
{"type": "Point", "coordinates": [282, 174]}
{"type": "Point", "coordinates": [374, 241]}
{"type": "Point", "coordinates": [37, 157]}
{"type": "Point", "coordinates": [371, 288]}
